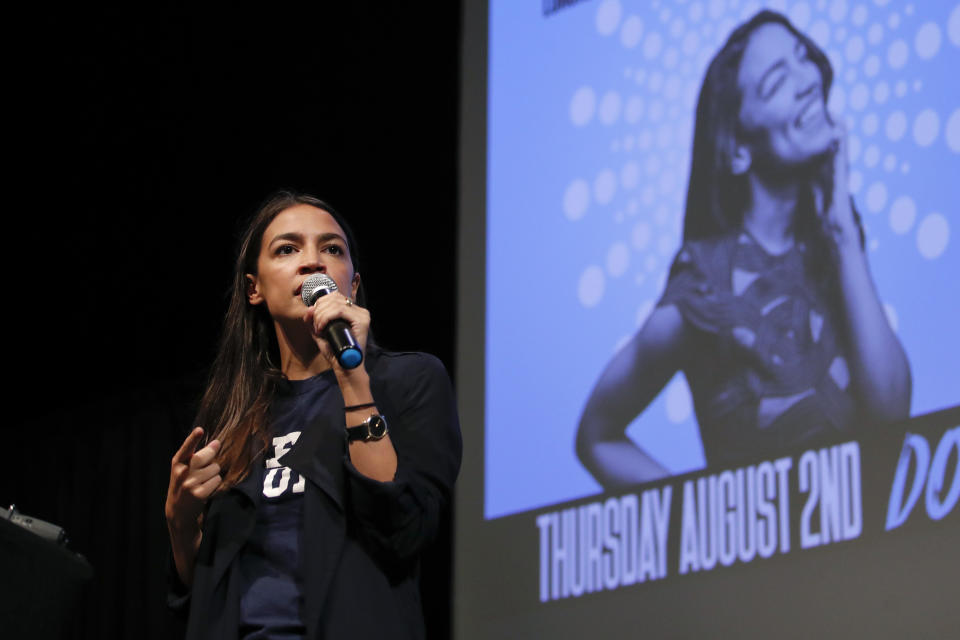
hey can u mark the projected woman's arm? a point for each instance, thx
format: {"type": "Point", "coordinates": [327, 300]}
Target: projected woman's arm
{"type": "Point", "coordinates": [879, 367]}
{"type": "Point", "coordinates": [628, 384]}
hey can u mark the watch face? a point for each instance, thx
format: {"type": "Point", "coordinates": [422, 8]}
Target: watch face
{"type": "Point", "coordinates": [376, 427]}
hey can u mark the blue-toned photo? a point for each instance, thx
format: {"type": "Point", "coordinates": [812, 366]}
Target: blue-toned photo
{"type": "Point", "coordinates": [716, 230]}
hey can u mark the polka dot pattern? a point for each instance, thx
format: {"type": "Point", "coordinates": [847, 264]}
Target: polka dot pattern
{"type": "Point", "coordinates": [879, 52]}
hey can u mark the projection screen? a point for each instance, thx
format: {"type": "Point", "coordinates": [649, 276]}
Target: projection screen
{"type": "Point", "coordinates": [672, 425]}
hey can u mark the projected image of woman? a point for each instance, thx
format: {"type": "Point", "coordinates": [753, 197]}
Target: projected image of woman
{"type": "Point", "coordinates": [769, 310]}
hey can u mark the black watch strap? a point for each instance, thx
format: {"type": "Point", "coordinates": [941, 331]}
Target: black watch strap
{"type": "Point", "coordinates": [373, 428]}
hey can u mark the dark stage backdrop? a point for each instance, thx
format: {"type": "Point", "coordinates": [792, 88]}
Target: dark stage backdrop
{"type": "Point", "coordinates": [140, 138]}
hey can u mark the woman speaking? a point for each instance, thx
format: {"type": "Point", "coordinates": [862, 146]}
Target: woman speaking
{"type": "Point", "coordinates": [769, 310]}
{"type": "Point", "coordinates": [299, 506]}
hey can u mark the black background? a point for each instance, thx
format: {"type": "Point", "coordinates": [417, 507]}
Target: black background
{"type": "Point", "coordinates": [139, 140]}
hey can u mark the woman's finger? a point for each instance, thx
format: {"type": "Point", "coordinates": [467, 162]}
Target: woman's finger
{"type": "Point", "coordinates": [205, 490]}
{"type": "Point", "coordinates": [201, 475]}
{"type": "Point", "coordinates": [205, 456]}
{"type": "Point", "coordinates": [356, 316]}
{"type": "Point", "coordinates": [186, 449]}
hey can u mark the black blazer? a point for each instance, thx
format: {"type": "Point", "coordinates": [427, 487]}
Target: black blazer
{"type": "Point", "coordinates": [361, 539]}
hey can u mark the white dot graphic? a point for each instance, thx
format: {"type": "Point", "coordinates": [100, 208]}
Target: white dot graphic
{"type": "Point", "coordinates": [724, 29]}
{"type": "Point", "coordinates": [854, 49]}
{"type": "Point", "coordinates": [855, 181]}
{"type": "Point", "coordinates": [953, 26]}
{"type": "Point", "coordinates": [670, 58]}
{"type": "Point", "coordinates": [889, 162]}
{"type": "Point", "coordinates": [800, 15]}
{"type": "Point", "coordinates": [652, 46]}
{"type": "Point", "coordinates": [608, 17]}
{"type": "Point", "coordinates": [716, 8]}
{"type": "Point", "coordinates": [881, 92]}
{"type": "Point", "coordinates": [927, 42]}
{"type": "Point", "coordinates": [643, 312]}
{"type": "Point", "coordinates": [604, 186]}
{"type": "Point", "coordinates": [875, 34]}
{"type": "Point", "coordinates": [901, 89]}
{"type": "Point", "coordinates": [631, 32]}
{"type": "Point", "coordinates": [576, 199]}
{"type": "Point", "coordinates": [582, 106]}
{"type": "Point", "coordinates": [618, 259]}
{"type": "Point", "coordinates": [859, 97]}
{"type": "Point", "coordinates": [691, 42]}
{"type": "Point", "coordinates": [666, 245]}
{"type": "Point", "coordinates": [820, 32]}
{"type": "Point", "coordinates": [652, 164]}
{"type": "Point", "coordinates": [896, 125]}
{"type": "Point", "coordinates": [591, 285]}
{"type": "Point", "coordinates": [679, 402]}
{"type": "Point", "coordinates": [876, 197]}
{"type": "Point", "coordinates": [872, 66]}
{"type": "Point", "coordinates": [630, 175]}
{"type": "Point", "coordinates": [893, 21]}
{"type": "Point", "coordinates": [870, 124]}
{"type": "Point", "coordinates": [837, 101]}
{"type": "Point", "coordinates": [648, 195]}
{"type": "Point", "coordinates": [640, 237]}
{"type": "Point", "coordinates": [664, 137]}
{"type": "Point", "coordinates": [859, 15]}
{"type": "Point", "coordinates": [695, 12]}
{"type": "Point", "coordinates": [677, 27]}
{"type": "Point", "coordinates": [838, 10]}
{"type": "Point", "coordinates": [634, 110]}
{"type": "Point", "coordinates": [650, 263]}
{"type": "Point", "coordinates": [672, 90]}
{"type": "Point", "coordinates": [897, 54]}
{"type": "Point", "coordinates": [903, 212]}
{"type": "Point", "coordinates": [662, 215]}
{"type": "Point", "coordinates": [892, 318]}
{"type": "Point", "coordinates": [609, 108]}
{"type": "Point", "coordinates": [952, 131]}
{"type": "Point", "coordinates": [853, 148]}
{"type": "Point", "coordinates": [926, 127]}
{"type": "Point", "coordinates": [933, 235]}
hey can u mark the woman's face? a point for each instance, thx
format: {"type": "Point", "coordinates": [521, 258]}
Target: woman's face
{"type": "Point", "coordinates": [300, 241]}
{"type": "Point", "coordinates": [782, 109]}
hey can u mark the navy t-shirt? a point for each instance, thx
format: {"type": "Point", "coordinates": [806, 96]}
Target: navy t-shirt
{"type": "Point", "coordinates": [272, 601]}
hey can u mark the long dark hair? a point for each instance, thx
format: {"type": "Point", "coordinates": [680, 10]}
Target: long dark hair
{"type": "Point", "coordinates": [246, 371]}
{"type": "Point", "coordinates": [716, 197]}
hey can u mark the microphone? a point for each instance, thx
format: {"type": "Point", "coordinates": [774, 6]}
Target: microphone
{"type": "Point", "coordinates": [337, 332]}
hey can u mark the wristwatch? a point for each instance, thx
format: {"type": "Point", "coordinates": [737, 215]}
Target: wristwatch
{"type": "Point", "coordinates": [373, 428]}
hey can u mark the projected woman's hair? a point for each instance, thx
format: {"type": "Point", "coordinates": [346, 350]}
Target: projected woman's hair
{"type": "Point", "coordinates": [769, 310]}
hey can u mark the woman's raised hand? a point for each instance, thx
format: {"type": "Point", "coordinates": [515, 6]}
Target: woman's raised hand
{"type": "Point", "coordinates": [839, 217]}
{"type": "Point", "coordinates": [194, 476]}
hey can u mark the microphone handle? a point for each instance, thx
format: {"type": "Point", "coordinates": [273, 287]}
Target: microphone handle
{"type": "Point", "coordinates": [344, 346]}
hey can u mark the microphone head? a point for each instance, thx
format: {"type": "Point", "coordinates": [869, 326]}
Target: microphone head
{"type": "Point", "coordinates": [316, 285]}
